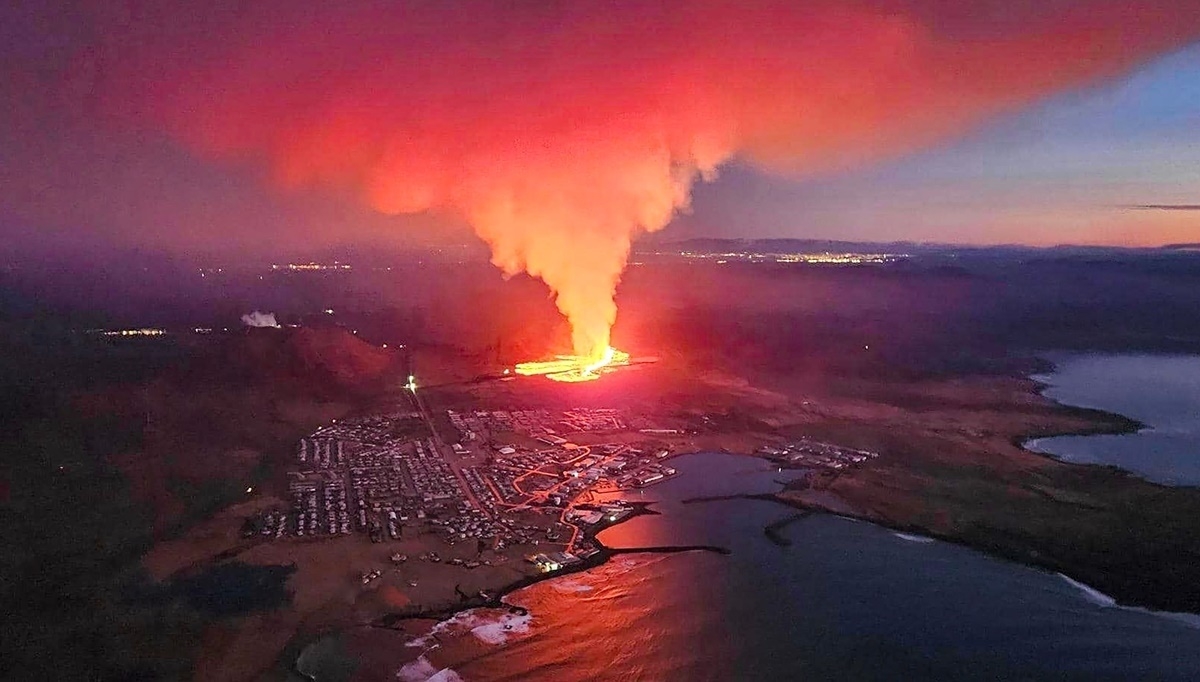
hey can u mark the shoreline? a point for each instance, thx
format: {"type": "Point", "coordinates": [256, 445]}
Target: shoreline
{"type": "Point", "coordinates": [1092, 422]}
{"type": "Point", "coordinates": [772, 531]}
{"type": "Point", "coordinates": [1108, 602]}
{"type": "Point", "coordinates": [1121, 425]}
{"type": "Point", "coordinates": [807, 509]}
{"type": "Point", "coordinates": [1114, 423]}
{"type": "Point", "coordinates": [994, 551]}
{"type": "Point", "coordinates": [1103, 423]}
{"type": "Point", "coordinates": [496, 601]}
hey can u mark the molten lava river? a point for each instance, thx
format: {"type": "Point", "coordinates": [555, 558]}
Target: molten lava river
{"type": "Point", "coordinates": [574, 368]}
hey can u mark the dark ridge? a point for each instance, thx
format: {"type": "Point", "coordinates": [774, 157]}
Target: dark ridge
{"type": "Point", "coordinates": [321, 359]}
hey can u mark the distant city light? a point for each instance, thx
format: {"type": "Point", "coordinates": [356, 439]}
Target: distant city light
{"type": "Point", "coordinates": [822, 258]}
{"type": "Point", "coordinates": [144, 331]}
{"type": "Point", "coordinates": [297, 267]}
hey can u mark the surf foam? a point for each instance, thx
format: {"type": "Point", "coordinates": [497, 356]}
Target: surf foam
{"type": "Point", "coordinates": [1104, 601]}
{"type": "Point", "coordinates": [421, 670]}
{"type": "Point", "coordinates": [914, 538]}
{"type": "Point", "coordinates": [491, 626]}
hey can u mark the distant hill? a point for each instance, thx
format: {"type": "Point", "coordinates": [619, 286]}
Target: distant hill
{"type": "Point", "coordinates": [915, 249]}
{"type": "Point", "coordinates": [711, 245]}
{"type": "Point", "coordinates": [321, 358]}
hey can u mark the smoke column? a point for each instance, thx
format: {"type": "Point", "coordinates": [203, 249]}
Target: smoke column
{"type": "Point", "coordinates": [561, 130]}
{"type": "Point", "coordinates": [259, 319]}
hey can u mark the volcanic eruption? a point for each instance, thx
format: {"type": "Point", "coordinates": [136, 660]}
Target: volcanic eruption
{"type": "Point", "coordinates": [559, 131]}
{"type": "Point", "coordinates": [574, 368]}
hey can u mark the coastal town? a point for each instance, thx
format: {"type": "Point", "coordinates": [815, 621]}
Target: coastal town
{"type": "Point", "coordinates": [816, 455]}
{"type": "Point", "coordinates": [497, 484]}
{"type": "Point", "coordinates": [508, 479]}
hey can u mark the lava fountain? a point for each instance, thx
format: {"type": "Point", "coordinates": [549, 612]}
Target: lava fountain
{"type": "Point", "coordinates": [575, 368]}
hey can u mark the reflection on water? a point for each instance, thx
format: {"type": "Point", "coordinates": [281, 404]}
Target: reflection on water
{"type": "Point", "coordinates": [846, 600]}
{"type": "Point", "coordinates": [1161, 391]}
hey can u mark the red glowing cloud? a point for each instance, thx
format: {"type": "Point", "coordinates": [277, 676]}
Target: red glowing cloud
{"type": "Point", "coordinates": [561, 130]}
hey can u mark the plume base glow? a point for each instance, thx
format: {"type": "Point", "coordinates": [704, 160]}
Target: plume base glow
{"type": "Point", "coordinates": [575, 368]}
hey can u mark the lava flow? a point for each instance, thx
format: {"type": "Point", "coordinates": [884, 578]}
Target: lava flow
{"type": "Point", "coordinates": [575, 368]}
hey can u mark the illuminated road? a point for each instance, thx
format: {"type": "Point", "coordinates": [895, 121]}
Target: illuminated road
{"type": "Point", "coordinates": [444, 449]}
{"type": "Point", "coordinates": [542, 496]}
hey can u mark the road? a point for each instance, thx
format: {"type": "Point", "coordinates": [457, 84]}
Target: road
{"type": "Point", "coordinates": [448, 455]}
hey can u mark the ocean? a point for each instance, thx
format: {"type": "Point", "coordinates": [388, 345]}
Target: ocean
{"type": "Point", "coordinates": [1161, 391]}
{"type": "Point", "coordinates": [844, 600]}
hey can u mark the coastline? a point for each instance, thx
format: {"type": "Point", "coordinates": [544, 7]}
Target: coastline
{"type": "Point", "coordinates": [1007, 418]}
{"type": "Point", "coordinates": [1097, 422]}
{"type": "Point", "coordinates": [1105, 601]}
{"type": "Point", "coordinates": [1129, 588]}
{"type": "Point", "coordinates": [1121, 382]}
{"type": "Point", "coordinates": [458, 644]}
{"type": "Point", "coordinates": [292, 655]}
{"type": "Point", "coordinates": [1109, 423]}
{"type": "Point", "coordinates": [496, 600]}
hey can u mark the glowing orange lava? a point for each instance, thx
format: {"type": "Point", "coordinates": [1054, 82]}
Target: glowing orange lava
{"type": "Point", "coordinates": [575, 368]}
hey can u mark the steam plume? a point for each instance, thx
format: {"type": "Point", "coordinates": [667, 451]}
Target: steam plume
{"type": "Point", "coordinates": [257, 319]}
{"type": "Point", "coordinates": [561, 130]}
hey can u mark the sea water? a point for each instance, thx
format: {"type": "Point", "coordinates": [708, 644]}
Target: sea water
{"type": "Point", "coordinates": [1161, 391]}
{"type": "Point", "coordinates": [844, 600]}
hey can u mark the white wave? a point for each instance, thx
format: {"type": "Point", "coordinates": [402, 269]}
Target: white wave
{"type": "Point", "coordinates": [421, 670]}
{"type": "Point", "coordinates": [1104, 601]}
{"type": "Point", "coordinates": [419, 642]}
{"type": "Point", "coordinates": [914, 538]}
{"type": "Point", "coordinates": [430, 638]}
{"type": "Point", "coordinates": [498, 631]}
{"type": "Point", "coordinates": [1035, 445]}
{"type": "Point", "coordinates": [1093, 595]}
{"type": "Point", "coordinates": [490, 626]}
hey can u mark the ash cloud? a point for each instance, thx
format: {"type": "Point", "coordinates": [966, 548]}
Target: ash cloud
{"type": "Point", "coordinates": [561, 130]}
